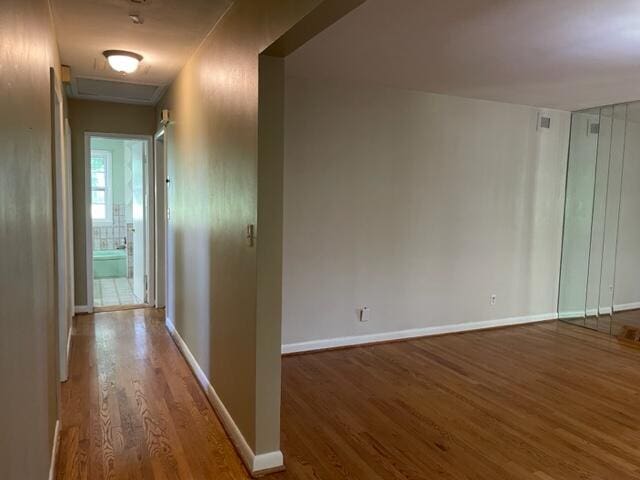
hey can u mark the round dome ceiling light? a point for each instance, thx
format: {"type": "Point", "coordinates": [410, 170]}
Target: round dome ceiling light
{"type": "Point", "coordinates": [122, 61]}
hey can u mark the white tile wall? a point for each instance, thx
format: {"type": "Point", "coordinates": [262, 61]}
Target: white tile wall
{"type": "Point", "coordinates": [110, 237]}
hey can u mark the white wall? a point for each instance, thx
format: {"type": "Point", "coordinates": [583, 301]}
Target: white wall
{"type": "Point", "coordinates": [418, 205]}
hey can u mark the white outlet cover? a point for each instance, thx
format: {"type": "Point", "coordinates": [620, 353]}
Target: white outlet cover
{"type": "Point", "coordinates": [365, 314]}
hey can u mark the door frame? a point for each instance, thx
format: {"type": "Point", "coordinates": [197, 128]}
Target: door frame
{"type": "Point", "coordinates": [63, 237]}
{"type": "Point", "coordinates": [160, 189]}
{"type": "Point", "coordinates": [149, 224]}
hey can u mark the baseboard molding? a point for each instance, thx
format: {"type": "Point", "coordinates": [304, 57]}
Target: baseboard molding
{"type": "Point", "coordinates": [54, 451]}
{"type": "Point", "coordinates": [68, 352]}
{"type": "Point", "coordinates": [626, 306]}
{"type": "Point", "coordinates": [592, 312]}
{"type": "Point", "coordinates": [412, 333]}
{"type": "Point", "coordinates": [576, 314]}
{"type": "Point", "coordinates": [82, 309]}
{"type": "Point", "coordinates": [256, 464]}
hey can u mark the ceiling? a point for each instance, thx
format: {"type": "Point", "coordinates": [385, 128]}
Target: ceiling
{"type": "Point", "coordinates": [568, 54]}
{"type": "Point", "coordinates": [171, 31]}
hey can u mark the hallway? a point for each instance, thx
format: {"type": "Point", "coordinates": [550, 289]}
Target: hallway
{"type": "Point", "coordinates": [132, 408]}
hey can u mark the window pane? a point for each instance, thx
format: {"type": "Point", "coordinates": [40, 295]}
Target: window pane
{"type": "Point", "coordinates": [98, 212]}
{"type": "Point", "coordinates": [97, 164]}
{"type": "Point", "coordinates": [98, 179]}
{"type": "Point", "coordinates": [98, 196]}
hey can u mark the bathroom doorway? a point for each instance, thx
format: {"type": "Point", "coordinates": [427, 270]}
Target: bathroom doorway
{"type": "Point", "coordinates": [118, 222]}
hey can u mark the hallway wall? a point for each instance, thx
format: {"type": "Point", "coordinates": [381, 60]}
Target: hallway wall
{"type": "Point", "coordinates": [103, 117]}
{"type": "Point", "coordinates": [212, 162]}
{"type": "Point", "coordinates": [29, 340]}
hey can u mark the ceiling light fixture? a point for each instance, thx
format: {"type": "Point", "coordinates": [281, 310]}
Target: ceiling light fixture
{"type": "Point", "coordinates": [122, 61]}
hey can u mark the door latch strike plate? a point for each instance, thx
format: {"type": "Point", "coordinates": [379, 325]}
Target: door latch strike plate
{"type": "Point", "coordinates": [251, 235]}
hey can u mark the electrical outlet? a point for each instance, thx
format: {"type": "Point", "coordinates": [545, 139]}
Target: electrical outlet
{"type": "Point", "coordinates": [492, 299]}
{"type": "Point", "coordinates": [365, 314]}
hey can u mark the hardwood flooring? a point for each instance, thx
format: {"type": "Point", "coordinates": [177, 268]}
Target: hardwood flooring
{"type": "Point", "coordinates": [546, 401]}
{"type": "Point", "coordinates": [537, 402]}
{"type": "Point", "coordinates": [132, 409]}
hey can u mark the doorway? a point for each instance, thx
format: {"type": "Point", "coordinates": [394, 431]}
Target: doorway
{"type": "Point", "coordinates": [119, 225]}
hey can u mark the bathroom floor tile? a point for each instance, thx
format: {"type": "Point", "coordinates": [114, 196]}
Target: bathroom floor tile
{"type": "Point", "coordinates": [109, 292]}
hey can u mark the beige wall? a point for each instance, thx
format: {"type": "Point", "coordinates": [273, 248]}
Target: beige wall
{"type": "Point", "coordinates": [102, 117]}
{"type": "Point", "coordinates": [419, 206]}
{"type": "Point", "coordinates": [212, 163]}
{"type": "Point", "coordinates": [28, 344]}
{"type": "Point", "coordinates": [269, 250]}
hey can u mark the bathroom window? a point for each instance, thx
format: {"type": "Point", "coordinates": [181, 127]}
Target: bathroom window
{"type": "Point", "coordinates": [101, 199]}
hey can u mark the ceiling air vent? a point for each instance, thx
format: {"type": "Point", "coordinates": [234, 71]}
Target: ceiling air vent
{"type": "Point", "coordinates": [115, 90]}
{"type": "Point", "coordinates": [545, 122]}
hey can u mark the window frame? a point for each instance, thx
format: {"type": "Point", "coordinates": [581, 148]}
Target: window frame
{"type": "Point", "coordinates": [108, 187]}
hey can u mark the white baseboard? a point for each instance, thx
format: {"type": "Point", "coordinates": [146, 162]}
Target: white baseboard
{"type": "Point", "coordinates": [82, 309]}
{"type": "Point", "coordinates": [412, 333]}
{"type": "Point", "coordinates": [603, 311]}
{"type": "Point", "coordinates": [69, 340]}
{"type": "Point", "coordinates": [626, 306]}
{"type": "Point", "coordinates": [256, 464]}
{"type": "Point", "coordinates": [54, 451]}
{"type": "Point", "coordinates": [68, 351]}
{"type": "Point", "coordinates": [576, 314]}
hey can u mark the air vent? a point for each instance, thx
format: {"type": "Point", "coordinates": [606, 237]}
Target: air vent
{"type": "Point", "coordinates": [594, 128]}
{"type": "Point", "coordinates": [109, 89]}
{"type": "Point", "coordinates": [545, 122]}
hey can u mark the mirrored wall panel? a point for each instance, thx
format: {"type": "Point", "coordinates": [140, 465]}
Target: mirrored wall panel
{"type": "Point", "coordinates": [578, 215]}
{"type": "Point", "coordinates": [600, 269]}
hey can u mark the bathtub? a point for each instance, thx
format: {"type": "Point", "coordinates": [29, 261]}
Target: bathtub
{"type": "Point", "coordinates": [109, 263]}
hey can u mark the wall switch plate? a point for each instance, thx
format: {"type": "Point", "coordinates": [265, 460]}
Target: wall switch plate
{"type": "Point", "coordinates": [493, 299]}
{"type": "Point", "coordinates": [251, 235]}
{"type": "Point", "coordinates": [365, 314]}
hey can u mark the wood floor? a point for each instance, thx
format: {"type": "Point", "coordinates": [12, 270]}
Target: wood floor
{"type": "Point", "coordinates": [132, 409]}
{"type": "Point", "coordinates": [538, 402]}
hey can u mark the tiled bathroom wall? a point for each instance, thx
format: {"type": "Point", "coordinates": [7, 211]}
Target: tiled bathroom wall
{"type": "Point", "coordinates": [111, 236]}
